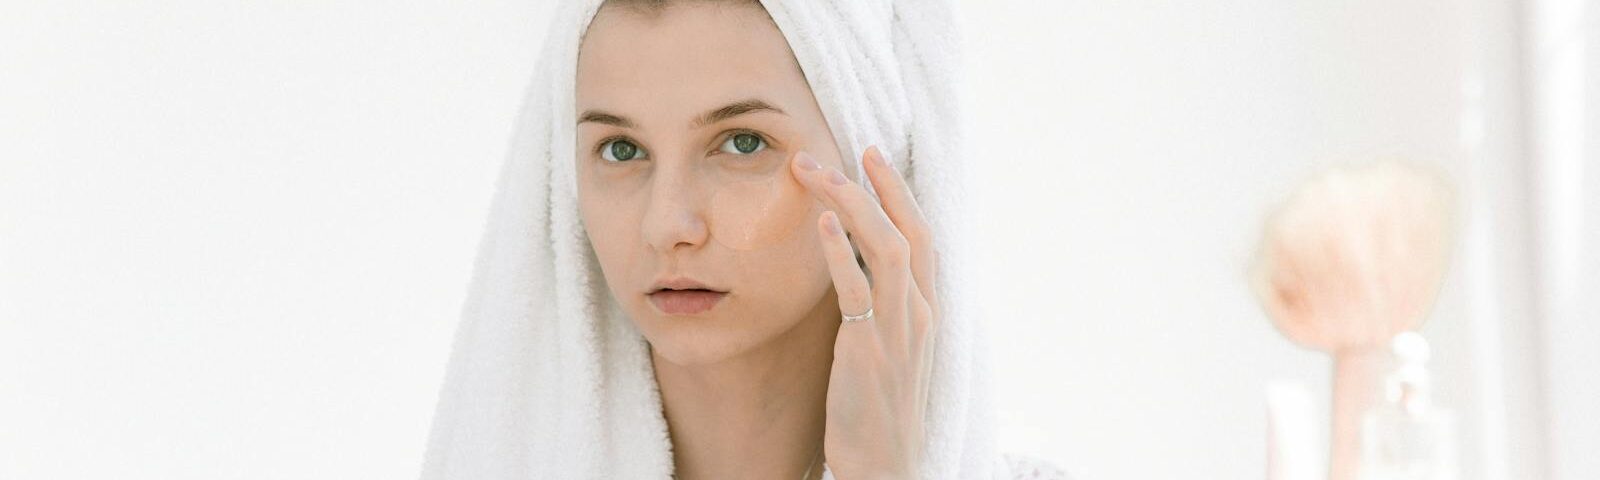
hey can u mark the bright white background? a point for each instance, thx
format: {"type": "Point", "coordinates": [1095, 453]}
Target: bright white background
{"type": "Point", "coordinates": [234, 237]}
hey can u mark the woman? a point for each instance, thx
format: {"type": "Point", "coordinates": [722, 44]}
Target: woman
{"type": "Point", "coordinates": [668, 286]}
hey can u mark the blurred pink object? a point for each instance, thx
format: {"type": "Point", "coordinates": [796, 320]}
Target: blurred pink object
{"type": "Point", "coordinates": [1355, 257]}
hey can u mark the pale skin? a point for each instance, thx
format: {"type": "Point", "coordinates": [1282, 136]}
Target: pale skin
{"type": "Point", "coordinates": [753, 387]}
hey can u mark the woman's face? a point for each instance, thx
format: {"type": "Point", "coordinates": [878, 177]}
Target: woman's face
{"type": "Point", "coordinates": [688, 118]}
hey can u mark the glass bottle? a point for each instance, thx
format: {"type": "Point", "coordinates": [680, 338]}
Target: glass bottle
{"type": "Point", "coordinates": [1405, 437]}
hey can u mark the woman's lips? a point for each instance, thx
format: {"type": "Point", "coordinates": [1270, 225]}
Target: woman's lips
{"type": "Point", "coordinates": [685, 302]}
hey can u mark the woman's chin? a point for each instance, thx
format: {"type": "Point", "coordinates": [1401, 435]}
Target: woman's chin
{"type": "Point", "coordinates": [701, 340]}
{"type": "Point", "coordinates": [705, 352]}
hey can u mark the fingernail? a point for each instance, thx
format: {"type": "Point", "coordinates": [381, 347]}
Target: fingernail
{"type": "Point", "coordinates": [837, 178]}
{"type": "Point", "coordinates": [832, 224]}
{"type": "Point", "coordinates": [805, 161]}
{"type": "Point", "coordinates": [882, 158]}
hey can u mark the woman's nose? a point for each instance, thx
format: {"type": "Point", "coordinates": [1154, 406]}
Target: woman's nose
{"type": "Point", "coordinates": [675, 216]}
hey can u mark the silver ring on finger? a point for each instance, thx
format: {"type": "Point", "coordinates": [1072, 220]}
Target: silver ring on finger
{"type": "Point", "coordinates": [859, 318]}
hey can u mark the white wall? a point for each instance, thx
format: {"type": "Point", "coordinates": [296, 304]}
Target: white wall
{"type": "Point", "coordinates": [234, 238]}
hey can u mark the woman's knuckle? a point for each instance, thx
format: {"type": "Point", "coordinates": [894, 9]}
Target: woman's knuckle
{"type": "Point", "coordinates": [891, 261]}
{"type": "Point", "coordinates": [899, 256]}
{"type": "Point", "coordinates": [920, 230]}
{"type": "Point", "coordinates": [896, 251]}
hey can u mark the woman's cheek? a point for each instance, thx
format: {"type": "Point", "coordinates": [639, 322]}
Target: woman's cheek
{"type": "Point", "coordinates": [610, 226]}
{"type": "Point", "coordinates": [749, 215]}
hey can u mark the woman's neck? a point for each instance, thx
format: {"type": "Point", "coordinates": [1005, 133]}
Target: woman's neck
{"type": "Point", "coordinates": [758, 415]}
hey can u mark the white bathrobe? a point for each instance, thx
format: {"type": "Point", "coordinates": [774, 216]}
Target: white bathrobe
{"type": "Point", "coordinates": [548, 378]}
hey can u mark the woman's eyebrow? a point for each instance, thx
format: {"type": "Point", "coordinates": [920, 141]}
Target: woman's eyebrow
{"type": "Point", "coordinates": [733, 110]}
{"type": "Point", "coordinates": [722, 113]}
{"type": "Point", "coordinates": [606, 118]}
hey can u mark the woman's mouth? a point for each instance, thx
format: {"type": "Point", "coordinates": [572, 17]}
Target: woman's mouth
{"type": "Point", "coordinates": [685, 302]}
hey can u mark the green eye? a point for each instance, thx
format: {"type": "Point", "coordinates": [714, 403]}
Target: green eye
{"type": "Point", "coordinates": [743, 144]}
{"type": "Point", "coordinates": [620, 150]}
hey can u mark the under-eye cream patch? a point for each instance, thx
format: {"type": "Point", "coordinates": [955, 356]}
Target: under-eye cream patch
{"type": "Point", "coordinates": [753, 214]}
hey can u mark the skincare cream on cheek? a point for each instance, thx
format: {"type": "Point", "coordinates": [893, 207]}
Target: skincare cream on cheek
{"type": "Point", "coordinates": [752, 214]}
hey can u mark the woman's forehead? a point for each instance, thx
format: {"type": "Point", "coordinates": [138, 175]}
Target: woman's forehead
{"type": "Point", "coordinates": [686, 59]}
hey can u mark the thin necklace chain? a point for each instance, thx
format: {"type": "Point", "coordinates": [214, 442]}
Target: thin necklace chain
{"type": "Point", "coordinates": [809, 466]}
{"type": "Point", "coordinates": [813, 463]}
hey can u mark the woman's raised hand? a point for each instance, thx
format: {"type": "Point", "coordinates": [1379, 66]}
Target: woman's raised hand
{"type": "Point", "coordinates": [878, 388]}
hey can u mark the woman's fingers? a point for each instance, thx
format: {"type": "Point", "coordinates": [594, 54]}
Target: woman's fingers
{"type": "Point", "coordinates": [889, 361]}
{"type": "Point", "coordinates": [885, 249]}
{"type": "Point", "coordinates": [855, 294]}
{"type": "Point", "coordinates": [903, 210]}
